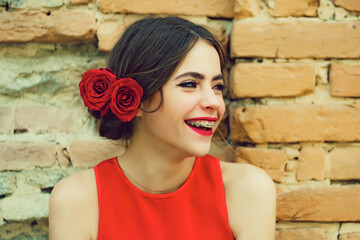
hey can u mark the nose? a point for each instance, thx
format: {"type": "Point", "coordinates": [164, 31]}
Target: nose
{"type": "Point", "coordinates": [210, 100]}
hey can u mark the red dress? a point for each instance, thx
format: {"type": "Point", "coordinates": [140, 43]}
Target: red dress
{"type": "Point", "coordinates": [197, 210]}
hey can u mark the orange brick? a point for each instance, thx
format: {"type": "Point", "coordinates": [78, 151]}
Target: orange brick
{"type": "Point", "coordinates": [301, 234]}
{"type": "Point", "coordinates": [350, 236]}
{"type": "Point", "coordinates": [271, 160]}
{"type": "Point", "coordinates": [246, 8]}
{"type": "Point", "coordinates": [352, 5]}
{"type": "Point", "coordinates": [212, 8]}
{"type": "Point", "coordinates": [271, 80]}
{"type": "Point", "coordinates": [327, 204]}
{"type": "Point", "coordinates": [80, 2]}
{"type": "Point", "coordinates": [294, 123]}
{"type": "Point", "coordinates": [19, 156]}
{"type": "Point", "coordinates": [6, 120]}
{"type": "Point", "coordinates": [295, 8]}
{"type": "Point", "coordinates": [43, 119]}
{"type": "Point", "coordinates": [109, 32]}
{"type": "Point", "coordinates": [345, 80]}
{"type": "Point", "coordinates": [345, 163]}
{"type": "Point", "coordinates": [47, 26]}
{"type": "Point", "coordinates": [85, 154]}
{"type": "Point", "coordinates": [311, 164]}
{"type": "Point", "coordinates": [295, 39]}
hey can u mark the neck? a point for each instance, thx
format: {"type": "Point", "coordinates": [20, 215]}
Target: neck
{"type": "Point", "coordinates": [155, 168]}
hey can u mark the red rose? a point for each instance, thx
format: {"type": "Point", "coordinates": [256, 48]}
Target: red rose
{"type": "Point", "coordinates": [126, 98]}
{"type": "Point", "coordinates": [96, 86]}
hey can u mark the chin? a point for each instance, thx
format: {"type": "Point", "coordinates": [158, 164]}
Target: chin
{"type": "Point", "coordinates": [199, 150]}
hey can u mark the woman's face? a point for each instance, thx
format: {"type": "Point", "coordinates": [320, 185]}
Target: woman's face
{"type": "Point", "coordinates": [192, 98]}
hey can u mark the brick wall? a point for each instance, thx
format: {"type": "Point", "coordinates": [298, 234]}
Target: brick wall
{"type": "Point", "coordinates": [293, 103]}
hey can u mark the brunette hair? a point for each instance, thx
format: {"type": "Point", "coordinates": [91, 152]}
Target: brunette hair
{"type": "Point", "coordinates": [149, 52]}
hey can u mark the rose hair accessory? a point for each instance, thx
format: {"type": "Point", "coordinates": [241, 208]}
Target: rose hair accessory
{"type": "Point", "coordinates": [100, 90]}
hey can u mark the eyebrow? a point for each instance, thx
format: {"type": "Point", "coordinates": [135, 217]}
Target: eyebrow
{"type": "Point", "coordinates": [199, 76]}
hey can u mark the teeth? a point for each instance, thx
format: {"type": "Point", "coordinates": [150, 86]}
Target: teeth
{"type": "Point", "coordinates": [201, 124]}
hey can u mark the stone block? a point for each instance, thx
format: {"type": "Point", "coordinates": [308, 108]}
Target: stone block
{"type": "Point", "coordinates": [80, 2]}
{"type": "Point", "coordinates": [46, 178]}
{"type": "Point", "coordinates": [301, 234]}
{"type": "Point", "coordinates": [62, 157]}
{"type": "Point", "coordinates": [272, 80]}
{"type": "Point", "coordinates": [44, 119]}
{"type": "Point", "coordinates": [26, 230]}
{"type": "Point", "coordinates": [47, 26]}
{"type": "Point", "coordinates": [22, 4]}
{"type": "Point", "coordinates": [311, 164]}
{"type": "Point", "coordinates": [211, 8]}
{"type": "Point", "coordinates": [19, 208]}
{"type": "Point", "coordinates": [85, 154]}
{"type": "Point", "coordinates": [271, 160]}
{"type": "Point", "coordinates": [295, 123]}
{"type": "Point", "coordinates": [7, 183]}
{"type": "Point", "coordinates": [6, 120]}
{"type": "Point", "coordinates": [345, 80]}
{"type": "Point", "coordinates": [350, 236]}
{"type": "Point", "coordinates": [345, 163]}
{"type": "Point", "coordinates": [293, 8]}
{"type": "Point", "coordinates": [19, 156]}
{"type": "Point", "coordinates": [289, 38]}
{"type": "Point", "coordinates": [351, 5]}
{"type": "Point", "coordinates": [246, 8]}
{"type": "Point", "coordinates": [109, 33]}
{"type": "Point", "coordinates": [323, 204]}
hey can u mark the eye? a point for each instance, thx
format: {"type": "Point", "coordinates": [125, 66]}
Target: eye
{"type": "Point", "coordinates": [219, 87]}
{"type": "Point", "coordinates": [188, 84]}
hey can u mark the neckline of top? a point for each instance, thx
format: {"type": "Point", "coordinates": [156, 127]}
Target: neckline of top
{"type": "Point", "coordinates": [155, 195]}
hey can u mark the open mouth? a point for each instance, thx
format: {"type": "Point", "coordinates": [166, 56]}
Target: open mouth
{"type": "Point", "coordinates": [204, 128]}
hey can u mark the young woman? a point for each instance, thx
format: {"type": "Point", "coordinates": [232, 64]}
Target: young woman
{"type": "Point", "coordinates": [162, 94]}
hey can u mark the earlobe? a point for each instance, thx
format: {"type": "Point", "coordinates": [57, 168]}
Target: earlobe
{"type": "Point", "coordinates": [140, 112]}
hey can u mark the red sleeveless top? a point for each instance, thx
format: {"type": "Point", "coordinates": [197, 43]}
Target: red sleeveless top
{"type": "Point", "coordinates": [197, 210]}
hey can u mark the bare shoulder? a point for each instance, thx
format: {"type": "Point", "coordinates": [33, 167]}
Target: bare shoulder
{"type": "Point", "coordinates": [246, 176]}
{"type": "Point", "coordinates": [251, 201]}
{"type": "Point", "coordinates": [73, 207]}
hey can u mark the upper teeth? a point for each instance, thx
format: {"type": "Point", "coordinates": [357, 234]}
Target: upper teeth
{"type": "Point", "coordinates": [206, 124]}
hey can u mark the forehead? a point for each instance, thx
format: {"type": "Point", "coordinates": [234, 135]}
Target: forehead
{"type": "Point", "coordinates": [202, 58]}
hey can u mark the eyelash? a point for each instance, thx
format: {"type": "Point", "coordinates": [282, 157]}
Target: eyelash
{"type": "Point", "coordinates": [193, 84]}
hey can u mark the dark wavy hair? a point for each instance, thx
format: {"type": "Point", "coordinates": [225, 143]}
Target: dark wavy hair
{"type": "Point", "coordinates": [149, 52]}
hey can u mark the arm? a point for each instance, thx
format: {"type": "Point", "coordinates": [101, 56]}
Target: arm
{"type": "Point", "coordinates": [251, 201]}
{"type": "Point", "coordinates": [70, 210]}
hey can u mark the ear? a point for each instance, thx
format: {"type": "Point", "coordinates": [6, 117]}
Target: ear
{"type": "Point", "coordinates": [140, 112]}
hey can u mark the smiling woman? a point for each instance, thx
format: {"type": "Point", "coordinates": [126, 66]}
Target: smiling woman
{"type": "Point", "coordinates": [162, 94]}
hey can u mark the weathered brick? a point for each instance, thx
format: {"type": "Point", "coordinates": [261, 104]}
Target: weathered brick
{"type": "Point", "coordinates": [7, 183]}
{"type": "Point", "coordinates": [24, 207]}
{"type": "Point", "coordinates": [294, 123]}
{"type": "Point", "coordinates": [301, 234]}
{"type": "Point", "coordinates": [80, 2]}
{"type": "Point", "coordinates": [109, 32]}
{"type": "Point", "coordinates": [62, 157]}
{"type": "Point", "coordinates": [85, 154]}
{"type": "Point", "coordinates": [345, 163]}
{"type": "Point", "coordinates": [272, 80]}
{"type": "Point", "coordinates": [212, 8]}
{"type": "Point", "coordinates": [352, 5]}
{"type": "Point", "coordinates": [271, 160]}
{"type": "Point", "coordinates": [33, 3]}
{"type": "Point", "coordinates": [350, 236]}
{"type": "Point", "coordinates": [345, 80]}
{"type": "Point", "coordinates": [18, 156]}
{"type": "Point", "coordinates": [295, 39]}
{"type": "Point", "coordinates": [295, 8]}
{"type": "Point", "coordinates": [6, 119]}
{"type": "Point", "coordinates": [47, 26]}
{"type": "Point", "coordinates": [246, 8]}
{"type": "Point", "coordinates": [311, 164]}
{"type": "Point", "coordinates": [333, 203]}
{"type": "Point", "coordinates": [44, 178]}
{"type": "Point", "coordinates": [44, 119]}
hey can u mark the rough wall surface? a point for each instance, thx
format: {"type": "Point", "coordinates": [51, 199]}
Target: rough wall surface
{"type": "Point", "coordinates": [293, 102]}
